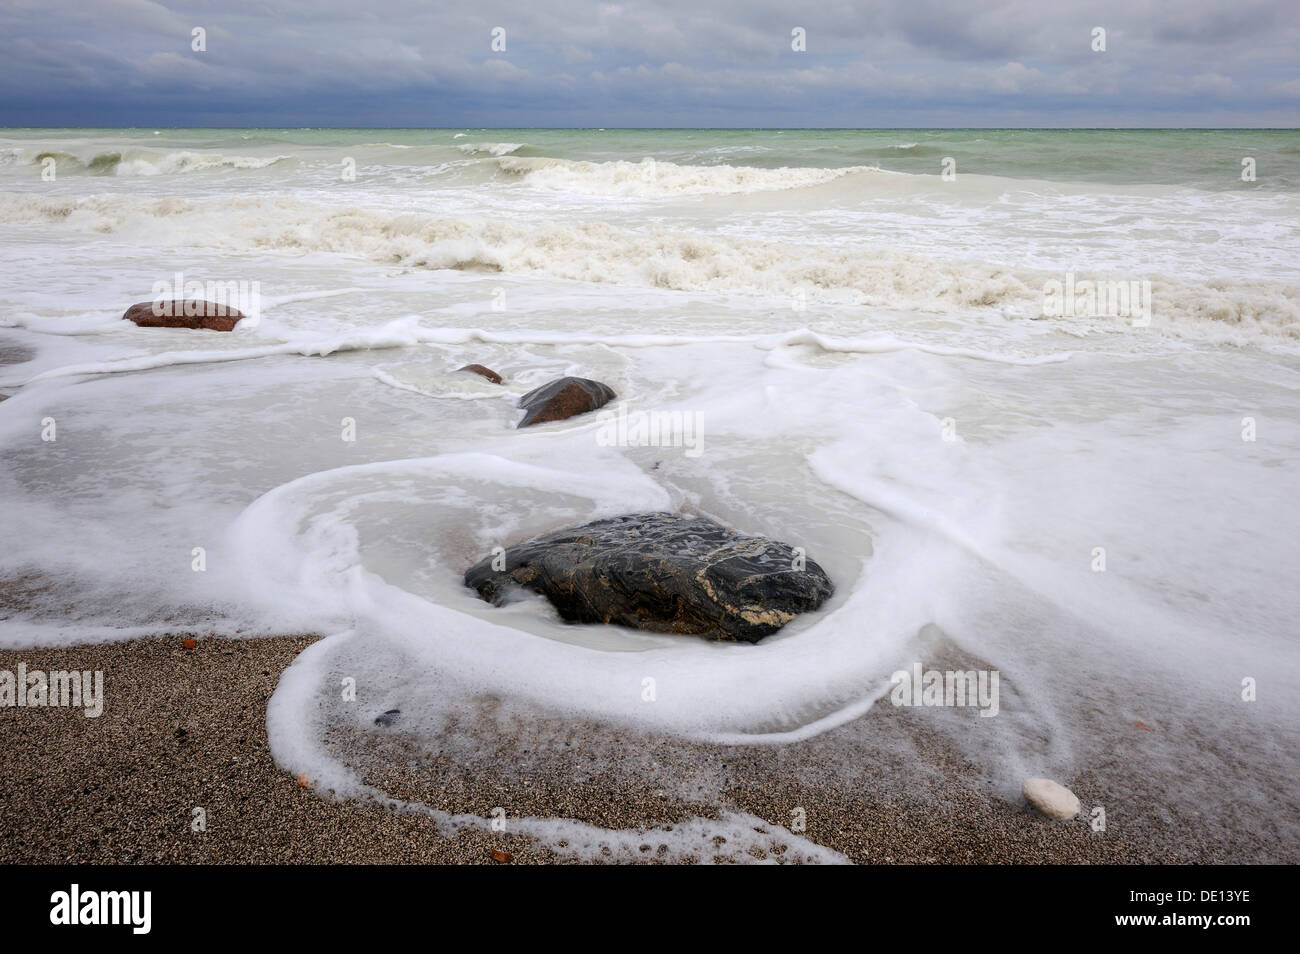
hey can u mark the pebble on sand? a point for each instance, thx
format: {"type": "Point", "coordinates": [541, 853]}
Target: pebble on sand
{"type": "Point", "coordinates": [1053, 800]}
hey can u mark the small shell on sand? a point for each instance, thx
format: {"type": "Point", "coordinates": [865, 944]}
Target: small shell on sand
{"type": "Point", "coordinates": [1053, 800]}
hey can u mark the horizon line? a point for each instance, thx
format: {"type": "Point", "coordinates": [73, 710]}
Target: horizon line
{"type": "Point", "coordinates": [712, 128]}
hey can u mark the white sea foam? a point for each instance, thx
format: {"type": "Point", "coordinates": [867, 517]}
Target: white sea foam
{"type": "Point", "coordinates": [737, 837]}
{"type": "Point", "coordinates": [136, 162]}
{"type": "Point", "coordinates": [650, 178]}
{"type": "Point", "coordinates": [668, 258]}
{"type": "Point", "coordinates": [178, 162]}
{"type": "Point", "coordinates": [490, 148]}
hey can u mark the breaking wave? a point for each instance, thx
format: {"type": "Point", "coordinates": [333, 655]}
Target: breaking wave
{"type": "Point", "coordinates": [134, 162]}
{"type": "Point", "coordinates": [490, 148]}
{"type": "Point", "coordinates": [653, 257]}
{"type": "Point", "coordinates": [650, 178]}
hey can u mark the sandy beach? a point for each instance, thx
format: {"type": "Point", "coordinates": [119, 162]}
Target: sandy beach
{"type": "Point", "coordinates": [186, 727]}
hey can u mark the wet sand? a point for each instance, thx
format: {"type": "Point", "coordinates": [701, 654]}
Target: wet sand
{"type": "Point", "coordinates": [186, 727]}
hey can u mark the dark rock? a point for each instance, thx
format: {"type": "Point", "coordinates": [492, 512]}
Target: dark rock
{"type": "Point", "coordinates": [483, 372]}
{"type": "Point", "coordinates": [388, 718]}
{"type": "Point", "coordinates": [663, 572]}
{"type": "Point", "coordinates": [194, 313]}
{"type": "Point", "coordinates": [563, 398]}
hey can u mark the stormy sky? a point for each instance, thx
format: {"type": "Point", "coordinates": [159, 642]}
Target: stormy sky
{"type": "Point", "coordinates": [700, 63]}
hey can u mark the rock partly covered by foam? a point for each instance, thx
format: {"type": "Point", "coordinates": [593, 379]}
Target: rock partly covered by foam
{"type": "Point", "coordinates": [1053, 800]}
{"type": "Point", "coordinates": [663, 572]}
{"type": "Point", "coordinates": [563, 398]}
{"type": "Point", "coordinates": [482, 372]}
{"type": "Point", "coordinates": [194, 313]}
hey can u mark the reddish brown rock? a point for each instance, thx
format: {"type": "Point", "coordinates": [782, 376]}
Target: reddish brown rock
{"type": "Point", "coordinates": [482, 372]}
{"type": "Point", "coordinates": [193, 313]}
{"type": "Point", "coordinates": [563, 398]}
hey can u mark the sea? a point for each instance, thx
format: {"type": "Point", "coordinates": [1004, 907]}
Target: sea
{"type": "Point", "coordinates": [1030, 398]}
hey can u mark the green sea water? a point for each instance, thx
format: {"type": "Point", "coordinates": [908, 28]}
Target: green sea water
{"type": "Point", "coordinates": [1209, 159]}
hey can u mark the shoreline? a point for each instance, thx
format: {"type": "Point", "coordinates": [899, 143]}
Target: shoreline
{"type": "Point", "coordinates": [186, 727]}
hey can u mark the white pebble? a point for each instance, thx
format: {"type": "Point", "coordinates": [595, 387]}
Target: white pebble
{"type": "Point", "coordinates": [1053, 800]}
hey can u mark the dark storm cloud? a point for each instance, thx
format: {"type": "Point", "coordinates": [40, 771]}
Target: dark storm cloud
{"type": "Point", "coordinates": [671, 62]}
{"type": "Point", "coordinates": [996, 32]}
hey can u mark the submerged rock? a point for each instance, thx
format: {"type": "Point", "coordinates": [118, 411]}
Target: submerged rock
{"type": "Point", "coordinates": [563, 398]}
{"type": "Point", "coordinates": [481, 371]}
{"type": "Point", "coordinates": [663, 572]}
{"type": "Point", "coordinates": [194, 313]}
{"type": "Point", "coordinates": [1052, 799]}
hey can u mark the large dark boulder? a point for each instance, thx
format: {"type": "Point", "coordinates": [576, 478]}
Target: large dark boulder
{"type": "Point", "coordinates": [664, 572]}
{"type": "Point", "coordinates": [563, 398]}
{"type": "Point", "coordinates": [194, 313]}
